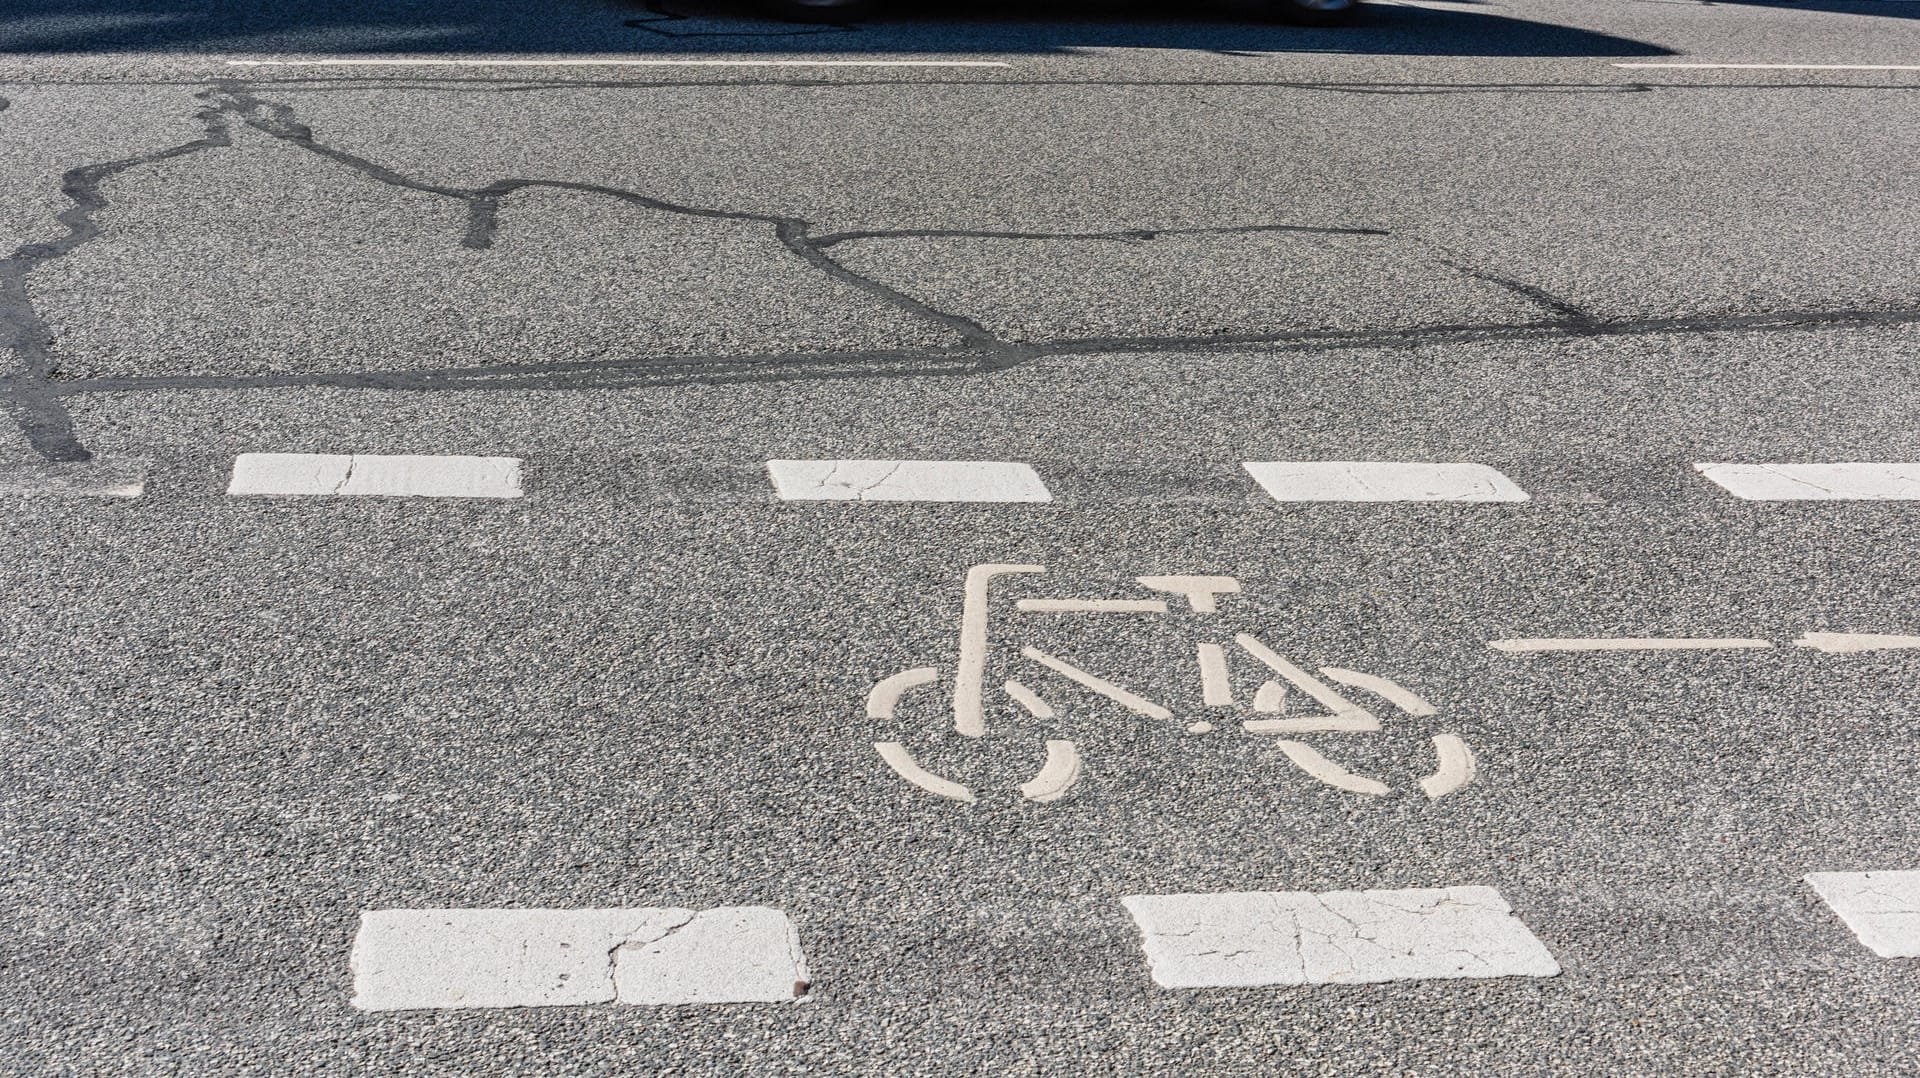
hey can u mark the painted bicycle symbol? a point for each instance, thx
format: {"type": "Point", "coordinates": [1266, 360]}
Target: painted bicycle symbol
{"type": "Point", "coordinates": [1271, 706]}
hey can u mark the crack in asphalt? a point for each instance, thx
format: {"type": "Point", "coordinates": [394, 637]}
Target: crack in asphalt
{"type": "Point", "coordinates": [484, 204]}
{"type": "Point", "coordinates": [641, 372]}
{"type": "Point", "coordinates": [1132, 235]}
{"type": "Point", "coordinates": [33, 394]}
{"type": "Point", "coordinates": [26, 388]}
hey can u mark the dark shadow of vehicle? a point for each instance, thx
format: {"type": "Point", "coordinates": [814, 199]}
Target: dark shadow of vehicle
{"type": "Point", "coordinates": [551, 27]}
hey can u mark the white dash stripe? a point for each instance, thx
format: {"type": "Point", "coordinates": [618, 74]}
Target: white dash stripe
{"type": "Point", "coordinates": [403, 61]}
{"type": "Point", "coordinates": [1848, 643]}
{"type": "Point", "coordinates": [1882, 908]}
{"type": "Point", "coordinates": [1240, 939]}
{"type": "Point", "coordinates": [1773, 67]}
{"type": "Point", "coordinates": [1381, 481]}
{"type": "Point", "coordinates": [373, 475]}
{"type": "Point", "coordinates": [907, 481]}
{"type": "Point", "coordinates": [1852, 481]}
{"type": "Point", "coordinates": [1628, 643]}
{"type": "Point", "coordinates": [455, 958]}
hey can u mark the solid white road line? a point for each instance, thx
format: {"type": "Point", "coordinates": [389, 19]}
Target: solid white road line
{"type": "Point", "coordinates": [1381, 481]}
{"type": "Point", "coordinates": [1776, 67]}
{"type": "Point", "coordinates": [1817, 482]}
{"type": "Point", "coordinates": [402, 61]}
{"type": "Point", "coordinates": [1091, 606]}
{"type": "Point", "coordinates": [92, 479]}
{"type": "Point", "coordinates": [1882, 908]}
{"type": "Point", "coordinates": [1628, 643]}
{"type": "Point", "coordinates": [419, 959]}
{"type": "Point", "coordinates": [1847, 643]}
{"type": "Point", "coordinates": [366, 474]}
{"type": "Point", "coordinates": [907, 481]}
{"type": "Point", "coordinates": [1340, 937]}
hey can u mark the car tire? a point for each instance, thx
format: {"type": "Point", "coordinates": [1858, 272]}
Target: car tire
{"type": "Point", "coordinates": [818, 10]}
{"type": "Point", "coordinates": [1315, 12]}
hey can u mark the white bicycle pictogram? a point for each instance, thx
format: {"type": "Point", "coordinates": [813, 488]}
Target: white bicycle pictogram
{"type": "Point", "coordinates": [1062, 768]}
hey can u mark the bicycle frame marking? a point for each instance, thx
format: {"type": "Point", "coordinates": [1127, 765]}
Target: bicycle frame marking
{"type": "Point", "coordinates": [1063, 767]}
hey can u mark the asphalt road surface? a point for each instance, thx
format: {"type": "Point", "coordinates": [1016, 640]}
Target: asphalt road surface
{"type": "Point", "coordinates": [1519, 764]}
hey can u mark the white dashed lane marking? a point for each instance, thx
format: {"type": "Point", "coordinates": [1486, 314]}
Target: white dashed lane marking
{"type": "Point", "coordinates": [1239, 939]}
{"type": "Point", "coordinates": [907, 481]}
{"type": "Point", "coordinates": [365, 474]}
{"type": "Point", "coordinates": [1382, 481]}
{"type": "Point", "coordinates": [1817, 482]}
{"type": "Point", "coordinates": [1882, 908]}
{"type": "Point", "coordinates": [93, 479]}
{"type": "Point", "coordinates": [1849, 643]}
{"type": "Point", "coordinates": [422, 959]}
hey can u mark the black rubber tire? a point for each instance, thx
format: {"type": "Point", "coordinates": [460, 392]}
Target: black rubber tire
{"type": "Point", "coordinates": [1307, 13]}
{"type": "Point", "coordinates": [819, 10]}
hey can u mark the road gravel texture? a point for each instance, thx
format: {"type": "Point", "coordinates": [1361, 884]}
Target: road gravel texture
{"type": "Point", "coordinates": [1152, 247]}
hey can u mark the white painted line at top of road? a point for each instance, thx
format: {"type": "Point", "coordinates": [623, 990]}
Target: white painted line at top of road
{"type": "Point", "coordinates": [90, 479]}
{"type": "Point", "coordinates": [421, 959]}
{"type": "Point", "coordinates": [1817, 482]}
{"type": "Point", "coordinates": [1628, 643]}
{"type": "Point", "coordinates": [1848, 643]}
{"type": "Point", "coordinates": [1882, 908]}
{"type": "Point", "coordinates": [1239, 939]}
{"type": "Point", "coordinates": [1381, 481]}
{"type": "Point", "coordinates": [434, 61]}
{"type": "Point", "coordinates": [372, 475]}
{"type": "Point", "coordinates": [907, 481]}
{"type": "Point", "coordinates": [1773, 67]}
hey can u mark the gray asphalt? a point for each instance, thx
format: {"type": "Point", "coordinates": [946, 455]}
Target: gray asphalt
{"type": "Point", "coordinates": [1153, 247]}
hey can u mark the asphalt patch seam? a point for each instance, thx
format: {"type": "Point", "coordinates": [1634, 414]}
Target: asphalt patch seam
{"type": "Point", "coordinates": [25, 390]}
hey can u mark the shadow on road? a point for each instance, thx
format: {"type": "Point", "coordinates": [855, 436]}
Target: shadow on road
{"type": "Point", "coordinates": [681, 26]}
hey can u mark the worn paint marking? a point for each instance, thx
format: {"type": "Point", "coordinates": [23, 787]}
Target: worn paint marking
{"type": "Point", "coordinates": [417, 959]}
{"type": "Point", "coordinates": [1627, 643]}
{"type": "Point", "coordinates": [1817, 482]}
{"type": "Point", "coordinates": [1382, 481]}
{"type": "Point", "coordinates": [1238, 939]}
{"type": "Point", "coordinates": [374, 475]}
{"type": "Point", "coordinates": [907, 481]}
{"type": "Point", "coordinates": [1882, 908]}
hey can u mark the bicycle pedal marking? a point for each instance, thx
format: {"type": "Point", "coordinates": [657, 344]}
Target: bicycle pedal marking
{"type": "Point", "coordinates": [1269, 711]}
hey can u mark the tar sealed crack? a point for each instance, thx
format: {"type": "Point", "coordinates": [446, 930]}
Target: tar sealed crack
{"type": "Point", "coordinates": [32, 392]}
{"type": "Point", "coordinates": [24, 332]}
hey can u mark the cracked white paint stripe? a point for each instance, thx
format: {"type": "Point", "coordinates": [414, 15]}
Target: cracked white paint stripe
{"type": "Point", "coordinates": [1882, 908]}
{"type": "Point", "coordinates": [1628, 643]}
{"type": "Point", "coordinates": [1870, 482]}
{"type": "Point", "coordinates": [1239, 939]}
{"type": "Point", "coordinates": [907, 481]}
{"type": "Point", "coordinates": [374, 475]}
{"type": "Point", "coordinates": [452, 958]}
{"type": "Point", "coordinates": [1381, 481]}
{"type": "Point", "coordinates": [412, 61]}
{"type": "Point", "coordinates": [1848, 643]}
